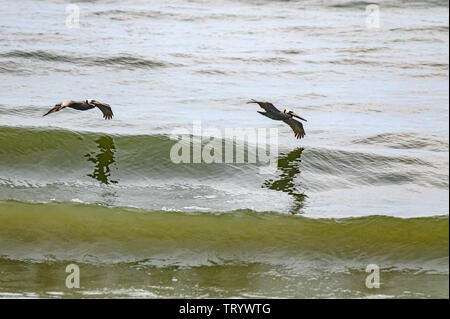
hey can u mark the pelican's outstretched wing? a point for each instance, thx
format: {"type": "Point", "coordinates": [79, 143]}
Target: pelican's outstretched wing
{"type": "Point", "coordinates": [266, 106]}
{"type": "Point", "coordinates": [296, 126]}
{"type": "Point", "coordinates": [56, 108]}
{"type": "Point", "coordinates": [106, 110]}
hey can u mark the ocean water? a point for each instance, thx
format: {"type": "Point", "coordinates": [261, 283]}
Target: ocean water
{"type": "Point", "coordinates": [367, 185]}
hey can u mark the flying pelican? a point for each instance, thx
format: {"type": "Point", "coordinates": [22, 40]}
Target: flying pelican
{"type": "Point", "coordinates": [83, 106]}
{"type": "Point", "coordinates": [286, 116]}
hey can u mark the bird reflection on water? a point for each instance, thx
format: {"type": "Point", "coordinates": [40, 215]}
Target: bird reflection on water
{"type": "Point", "coordinates": [289, 167]}
{"type": "Point", "coordinates": [288, 171]}
{"type": "Point", "coordinates": [102, 160]}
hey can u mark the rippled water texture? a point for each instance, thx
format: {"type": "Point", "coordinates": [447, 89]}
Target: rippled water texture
{"type": "Point", "coordinates": [368, 183]}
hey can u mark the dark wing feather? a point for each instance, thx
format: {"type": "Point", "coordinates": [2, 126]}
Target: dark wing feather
{"type": "Point", "coordinates": [296, 126]}
{"type": "Point", "coordinates": [266, 106]}
{"type": "Point", "coordinates": [56, 108]}
{"type": "Point", "coordinates": [106, 110]}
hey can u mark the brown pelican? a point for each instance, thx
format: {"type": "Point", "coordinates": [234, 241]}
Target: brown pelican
{"type": "Point", "coordinates": [286, 116]}
{"type": "Point", "coordinates": [83, 106]}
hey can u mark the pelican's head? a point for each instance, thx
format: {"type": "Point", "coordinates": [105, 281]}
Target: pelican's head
{"type": "Point", "coordinates": [92, 102]}
{"type": "Point", "coordinates": [292, 114]}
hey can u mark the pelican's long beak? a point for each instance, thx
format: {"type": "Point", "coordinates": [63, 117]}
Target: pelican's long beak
{"type": "Point", "coordinates": [94, 103]}
{"type": "Point", "coordinates": [301, 118]}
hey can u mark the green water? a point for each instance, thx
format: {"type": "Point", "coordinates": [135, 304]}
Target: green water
{"type": "Point", "coordinates": [136, 253]}
{"type": "Point", "coordinates": [369, 183]}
